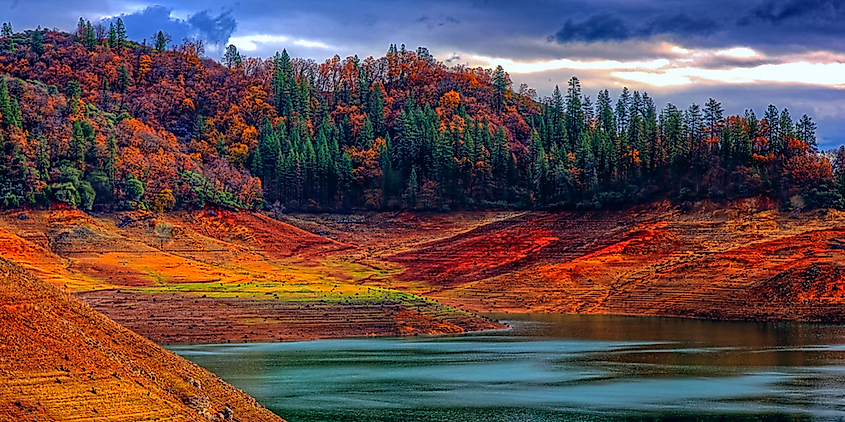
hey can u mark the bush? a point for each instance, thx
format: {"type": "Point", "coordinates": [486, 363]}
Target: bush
{"type": "Point", "coordinates": [133, 188]}
{"type": "Point", "coordinates": [86, 195]}
{"type": "Point", "coordinates": [66, 193]}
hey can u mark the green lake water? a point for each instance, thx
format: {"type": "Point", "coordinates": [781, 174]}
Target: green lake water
{"type": "Point", "coordinates": [550, 368]}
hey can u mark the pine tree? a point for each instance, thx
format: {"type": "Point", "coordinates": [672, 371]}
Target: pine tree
{"type": "Point", "coordinates": [694, 122]}
{"type": "Point", "coordinates": [124, 81]}
{"type": "Point", "coordinates": [786, 128]}
{"type": "Point", "coordinates": [89, 37]}
{"type": "Point", "coordinates": [412, 190]}
{"type": "Point", "coordinates": [539, 168]}
{"type": "Point", "coordinates": [344, 176]}
{"type": "Point", "coordinates": [5, 104]}
{"type": "Point", "coordinates": [199, 129]}
{"type": "Point", "coordinates": [501, 82]}
{"type": "Point", "coordinates": [37, 42]}
{"type": "Point", "coordinates": [366, 135]}
{"type": "Point", "coordinates": [112, 36]}
{"type": "Point", "coordinates": [16, 119]}
{"type": "Point", "coordinates": [161, 40]}
{"type": "Point", "coordinates": [712, 116]}
{"type": "Point", "coordinates": [623, 107]}
{"type": "Point", "coordinates": [604, 112]}
{"type": "Point", "coordinates": [443, 157]}
{"type": "Point", "coordinates": [7, 32]}
{"type": "Point", "coordinates": [677, 146]}
{"type": "Point", "coordinates": [282, 84]}
{"type": "Point", "coordinates": [653, 147]}
{"type": "Point", "coordinates": [232, 58]}
{"type": "Point", "coordinates": [121, 34]}
{"type": "Point", "coordinates": [772, 132]}
{"type": "Point", "coordinates": [375, 109]}
{"type": "Point", "coordinates": [554, 120]}
{"type": "Point", "coordinates": [574, 120]}
{"type": "Point", "coordinates": [807, 130]}
{"type": "Point", "coordinates": [78, 146]}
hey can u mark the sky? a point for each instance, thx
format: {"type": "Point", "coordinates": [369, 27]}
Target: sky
{"type": "Point", "coordinates": [745, 54]}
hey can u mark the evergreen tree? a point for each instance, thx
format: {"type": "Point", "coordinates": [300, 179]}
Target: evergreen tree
{"type": "Point", "coordinates": [604, 113]}
{"type": "Point", "coordinates": [375, 109]}
{"type": "Point", "coordinates": [412, 190]}
{"type": "Point", "coordinates": [671, 122]}
{"type": "Point", "coordinates": [539, 169]}
{"type": "Point", "coordinates": [651, 139]}
{"type": "Point", "coordinates": [161, 40]}
{"type": "Point", "coordinates": [124, 81]}
{"type": "Point", "coordinates": [120, 29]}
{"type": "Point", "coordinates": [623, 107]}
{"type": "Point", "coordinates": [344, 176]}
{"type": "Point", "coordinates": [232, 58]}
{"type": "Point", "coordinates": [5, 104]}
{"type": "Point", "coordinates": [713, 115]}
{"type": "Point", "coordinates": [772, 132]}
{"type": "Point", "coordinates": [112, 36]}
{"type": "Point", "coordinates": [78, 146]}
{"type": "Point", "coordinates": [694, 121]}
{"type": "Point", "coordinates": [199, 129]}
{"type": "Point", "coordinates": [574, 120]}
{"type": "Point", "coordinates": [37, 42]}
{"type": "Point", "coordinates": [89, 37]}
{"type": "Point", "coordinates": [786, 128]}
{"type": "Point", "coordinates": [366, 134]}
{"type": "Point", "coordinates": [807, 130]}
{"type": "Point", "coordinates": [6, 32]}
{"type": "Point", "coordinates": [501, 82]}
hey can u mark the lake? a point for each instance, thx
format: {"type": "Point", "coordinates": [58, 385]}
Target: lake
{"type": "Point", "coordinates": [550, 368]}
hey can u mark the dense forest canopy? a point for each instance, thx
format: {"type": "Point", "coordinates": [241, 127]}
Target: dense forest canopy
{"type": "Point", "coordinates": [91, 119]}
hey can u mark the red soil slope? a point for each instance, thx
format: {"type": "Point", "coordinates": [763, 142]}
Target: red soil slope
{"type": "Point", "coordinates": [744, 262]}
{"type": "Point", "coordinates": [59, 360]}
{"type": "Point", "coordinates": [217, 276]}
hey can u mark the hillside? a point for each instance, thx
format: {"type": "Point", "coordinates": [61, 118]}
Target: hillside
{"type": "Point", "coordinates": [108, 124]}
{"type": "Point", "coordinates": [746, 261]}
{"type": "Point", "coordinates": [217, 276]}
{"type": "Point", "coordinates": [59, 360]}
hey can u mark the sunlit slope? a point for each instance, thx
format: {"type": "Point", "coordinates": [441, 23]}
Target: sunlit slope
{"type": "Point", "coordinates": [215, 276]}
{"type": "Point", "coordinates": [746, 261]}
{"type": "Point", "coordinates": [59, 360]}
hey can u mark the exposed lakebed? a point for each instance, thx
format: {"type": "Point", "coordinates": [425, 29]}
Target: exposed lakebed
{"type": "Point", "coordinates": [550, 368]}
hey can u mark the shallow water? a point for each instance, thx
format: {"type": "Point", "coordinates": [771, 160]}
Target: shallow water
{"type": "Point", "coordinates": [551, 368]}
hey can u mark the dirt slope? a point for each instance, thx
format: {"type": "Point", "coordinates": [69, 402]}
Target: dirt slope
{"type": "Point", "coordinates": [745, 262]}
{"type": "Point", "coordinates": [59, 360]}
{"type": "Point", "coordinates": [217, 276]}
{"type": "Point", "coordinates": [742, 261]}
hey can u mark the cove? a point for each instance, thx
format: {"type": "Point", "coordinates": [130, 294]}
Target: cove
{"type": "Point", "coordinates": [550, 368]}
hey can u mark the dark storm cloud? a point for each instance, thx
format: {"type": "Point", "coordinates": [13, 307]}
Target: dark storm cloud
{"type": "Point", "coordinates": [609, 26]}
{"type": "Point", "coordinates": [144, 23]}
{"type": "Point", "coordinates": [802, 11]}
{"type": "Point", "coordinates": [768, 24]}
{"type": "Point", "coordinates": [215, 30]}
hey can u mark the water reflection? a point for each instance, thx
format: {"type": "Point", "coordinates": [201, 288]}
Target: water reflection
{"type": "Point", "coordinates": [550, 368]}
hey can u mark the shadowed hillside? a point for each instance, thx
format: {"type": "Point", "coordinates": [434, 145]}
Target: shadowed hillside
{"type": "Point", "coordinates": [59, 360]}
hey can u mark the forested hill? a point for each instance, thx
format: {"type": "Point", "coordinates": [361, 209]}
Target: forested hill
{"type": "Point", "coordinates": [92, 120]}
